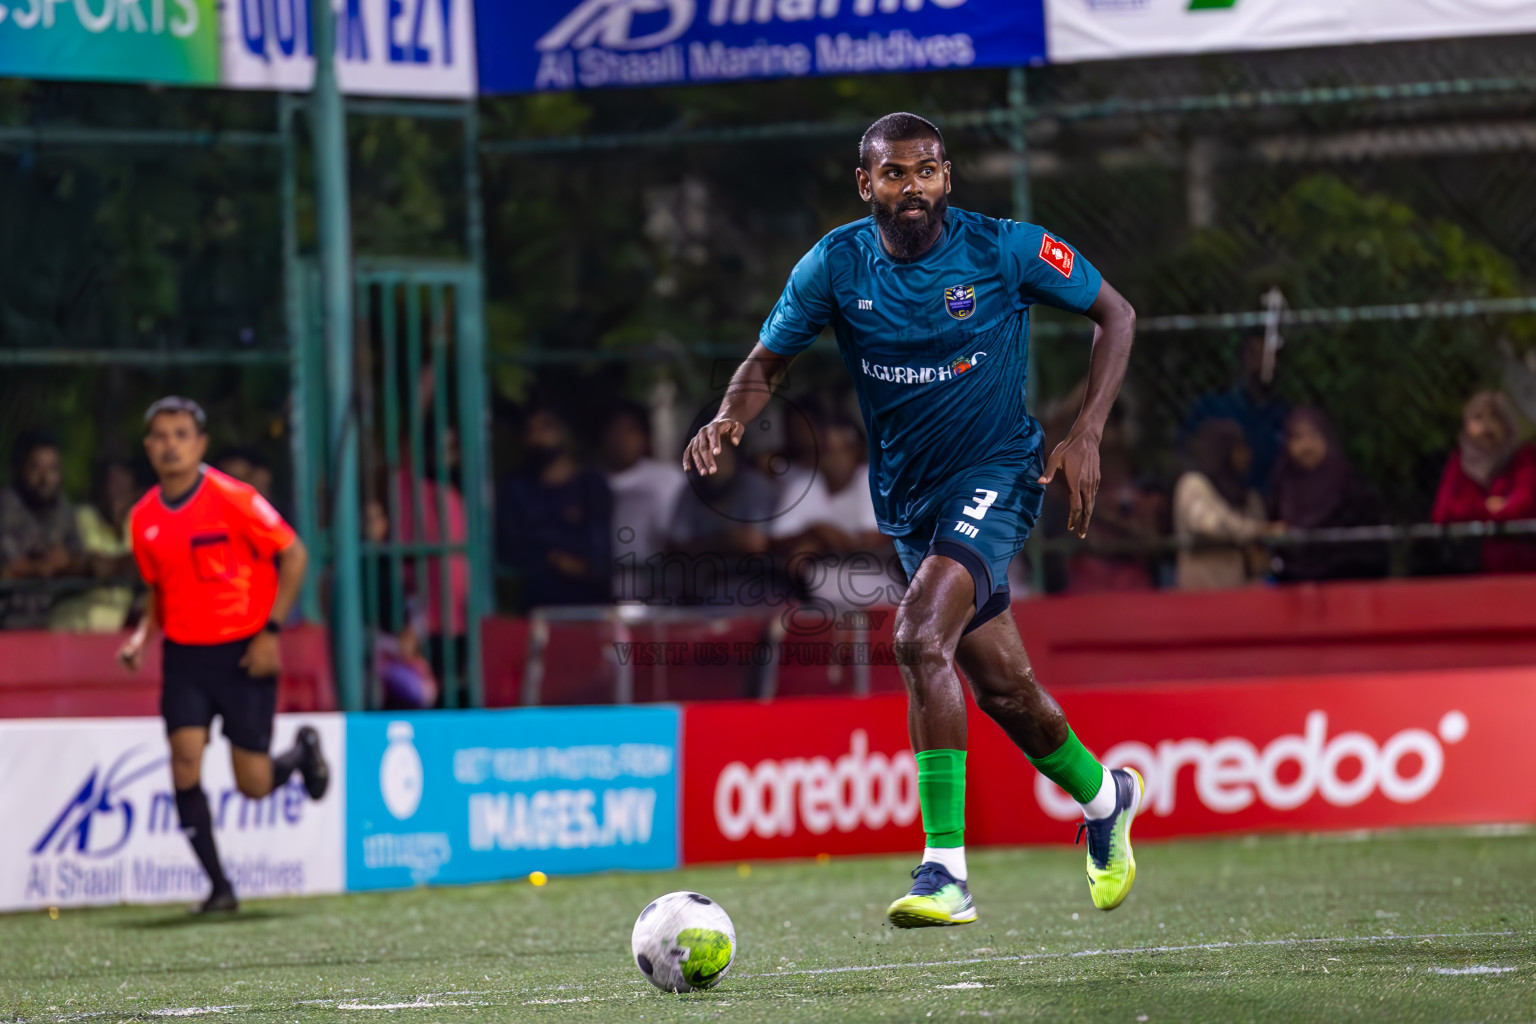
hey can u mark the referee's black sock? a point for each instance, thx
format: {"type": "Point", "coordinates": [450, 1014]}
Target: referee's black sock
{"type": "Point", "coordinates": [197, 825]}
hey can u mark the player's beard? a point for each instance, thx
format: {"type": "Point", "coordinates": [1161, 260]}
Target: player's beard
{"type": "Point", "coordinates": [909, 237]}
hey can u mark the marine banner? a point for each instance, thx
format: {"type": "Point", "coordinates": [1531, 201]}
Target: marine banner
{"type": "Point", "coordinates": [90, 817]}
{"type": "Point", "coordinates": [538, 45]}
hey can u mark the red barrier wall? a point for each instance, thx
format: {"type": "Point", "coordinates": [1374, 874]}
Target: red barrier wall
{"type": "Point", "coordinates": [1302, 629]}
{"type": "Point", "coordinates": [797, 778]}
{"type": "Point", "coordinates": [76, 675]}
{"type": "Point", "coordinates": [1074, 641]}
{"type": "Point", "coordinates": [1296, 630]}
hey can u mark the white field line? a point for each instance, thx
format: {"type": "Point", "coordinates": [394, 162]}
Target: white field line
{"type": "Point", "coordinates": [193, 1011]}
{"type": "Point", "coordinates": [1196, 947]}
{"type": "Point", "coordinates": [420, 1004]}
{"type": "Point", "coordinates": [1476, 969]}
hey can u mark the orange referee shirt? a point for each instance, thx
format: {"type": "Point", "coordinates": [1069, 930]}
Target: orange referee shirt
{"type": "Point", "coordinates": [210, 559]}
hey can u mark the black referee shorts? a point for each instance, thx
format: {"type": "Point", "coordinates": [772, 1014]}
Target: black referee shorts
{"type": "Point", "coordinates": [203, 680]}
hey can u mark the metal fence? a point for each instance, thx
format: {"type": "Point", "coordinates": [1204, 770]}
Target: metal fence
{"type": "Point", "coordinates": [1369, 206]}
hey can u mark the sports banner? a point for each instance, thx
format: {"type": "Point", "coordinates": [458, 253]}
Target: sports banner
{"type": "Point", "coordinates": [117, 40]}
{"type": "Point", "coordinates": [799, 778]}
{"type": "Point", "coordinates": [536, 45]}
{"type": "Point", "coordinates": [90, 817]}
{"type": "Point", "coordinates": [1106, 29]}
{"type": "Point", "coordinates": [475, 796]}
{"type": "Point", "coordinates": [421, 48]}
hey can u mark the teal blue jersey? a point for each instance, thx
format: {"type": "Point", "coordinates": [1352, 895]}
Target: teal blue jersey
{"type": "Point", "coordinates": [938, 347]}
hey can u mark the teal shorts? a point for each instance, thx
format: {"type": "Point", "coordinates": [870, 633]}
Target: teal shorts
{"type": "Point", "coordinates": [981, 520]}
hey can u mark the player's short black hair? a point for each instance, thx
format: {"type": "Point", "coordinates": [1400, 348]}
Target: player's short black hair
{"type": "Point", "coordinates": [899, 127]}
{"type": "Point", "coordinates": [175, 403]}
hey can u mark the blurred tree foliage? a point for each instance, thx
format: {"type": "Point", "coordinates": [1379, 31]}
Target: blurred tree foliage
{"type": "Point", "coordinates": [1393, 388]}
{"type": "Point", "coordinates": [639, 252]}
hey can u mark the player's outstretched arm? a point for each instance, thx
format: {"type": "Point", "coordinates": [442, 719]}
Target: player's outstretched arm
{"type": "Point", "coordinates": [751, 386]}
{"type": "Point", "coordinates": [1077, 456]}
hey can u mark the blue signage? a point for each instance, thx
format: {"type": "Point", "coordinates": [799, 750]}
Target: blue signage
{"type": "Point", "coordinates": [474, 796]}
{"type": "Point", "coordinates": [537, 45]}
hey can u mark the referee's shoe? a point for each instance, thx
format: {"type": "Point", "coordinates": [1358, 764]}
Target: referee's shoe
{"type": "Point", "coordinates": [317, 774]}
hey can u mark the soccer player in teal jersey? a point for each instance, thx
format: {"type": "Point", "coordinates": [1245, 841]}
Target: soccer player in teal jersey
{"type": "Point", "coordinates": [930, 307]}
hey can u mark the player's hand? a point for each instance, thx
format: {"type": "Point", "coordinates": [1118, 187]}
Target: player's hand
{"type": "Point", "coordinates": [1077, 457]}
{"type": "Point", "coordinates": [263, 657]}
{"type": "Point", "coordinates": [701, 451]}
{"type": "Point", "coordinates": [131, 654]}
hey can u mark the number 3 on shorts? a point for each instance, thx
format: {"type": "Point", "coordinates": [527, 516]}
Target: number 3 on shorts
{"type": "Point", "coordinates": [984, 499]}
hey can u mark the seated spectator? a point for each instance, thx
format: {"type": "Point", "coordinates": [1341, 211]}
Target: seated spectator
{"type": "Point", "coordinates": [793, 469]}
{"type": "Point", "coordinates": [1314, 488]}
{"type": "Point", "coordinates": [1216, 510]}
{"type": "Point", "coordinates": [645, 490]}
{"type": "Point", "coordinates": [405, 676]}
{"type": "Point", "coordinates": [1491, 477]}
{"type": "Point", "coordinates": [39, 539]}
{"type": "Point", "coordinates": [1126, 513]}
{"type": "Point", "coordinates": [443, 520]}
{"type": "Point", "coordinates": [103, 526]}
{"type": "Point", "coordinates": [719, 539]}
{"type": "Point", "coordinates": [845, 473]}
{"type": "Point", "coordinates": [554, 520]}
{"type": "Point", "coordinates": [248, 466]}
{"type": "Point", "coordinates": [1254, 406]}
{"type": "Point", "coordinates": [829, 517]}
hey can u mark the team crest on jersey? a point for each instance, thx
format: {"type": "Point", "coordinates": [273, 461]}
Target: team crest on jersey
{"type": "Point", "coordinates": [960, 301]}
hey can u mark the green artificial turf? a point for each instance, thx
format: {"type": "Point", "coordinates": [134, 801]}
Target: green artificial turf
{"type": "Point", "coordinates": [1283, 928]}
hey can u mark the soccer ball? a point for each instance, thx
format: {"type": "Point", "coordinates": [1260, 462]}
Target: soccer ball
{"type": "Point", "coordinates": [683, 941]}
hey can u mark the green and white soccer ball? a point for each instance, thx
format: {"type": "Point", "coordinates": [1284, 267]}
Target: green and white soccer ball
{"type": "Point", "coordinates": [683, 941]}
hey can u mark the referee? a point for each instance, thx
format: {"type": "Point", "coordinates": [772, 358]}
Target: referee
{"type": "Point", "coordinates": [223, 570]}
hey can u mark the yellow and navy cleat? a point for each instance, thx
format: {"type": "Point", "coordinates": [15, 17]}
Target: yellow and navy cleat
{"type": "Point", "coordinates": [1111, 862]}
{"type": "Point", "coordinates": [937, 899]}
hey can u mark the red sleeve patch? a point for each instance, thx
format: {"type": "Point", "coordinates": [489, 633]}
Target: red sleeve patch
{"type": "Point", "coordinates": [1057, 254]}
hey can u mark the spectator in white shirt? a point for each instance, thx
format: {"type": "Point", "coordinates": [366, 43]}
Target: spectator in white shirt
{"type": "Point", "coordinates": [831, 531]}
{"type": "Point", "coordinates": [645, 491]}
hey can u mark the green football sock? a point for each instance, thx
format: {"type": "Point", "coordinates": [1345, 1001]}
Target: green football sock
{"type": "Point", "coordinates": [1070, 766]}
{"type": "Point", "coordinates": [941, 793]}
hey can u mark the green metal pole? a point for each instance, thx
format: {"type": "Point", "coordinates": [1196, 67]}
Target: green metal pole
{"type": "Point", "coordinates": [453, 695]}
{"type": "Point", "coordinates": [330, 138]}
{"type": "Point", "coordinates": [299, 423]}
{"type": "Point", "coordinates": [1023, 210]}
{"type": "Point", "coordinates": [474, 451]}
{"type": "Point", "coordinates": [474, 400]}
{"type": "Point", "coordinates": [1018, 141]}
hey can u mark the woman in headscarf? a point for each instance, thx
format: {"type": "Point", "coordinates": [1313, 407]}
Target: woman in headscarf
{"type": "Point", "coordinates": [1314, 488]}
{"type": "Point", "coordinates": [1215, 511]}
{"type": "Point", "coordinates": [1491, 476]}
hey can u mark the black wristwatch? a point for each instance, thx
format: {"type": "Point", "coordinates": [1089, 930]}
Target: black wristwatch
{"type": "Point", "coordinates": [273, 626]}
